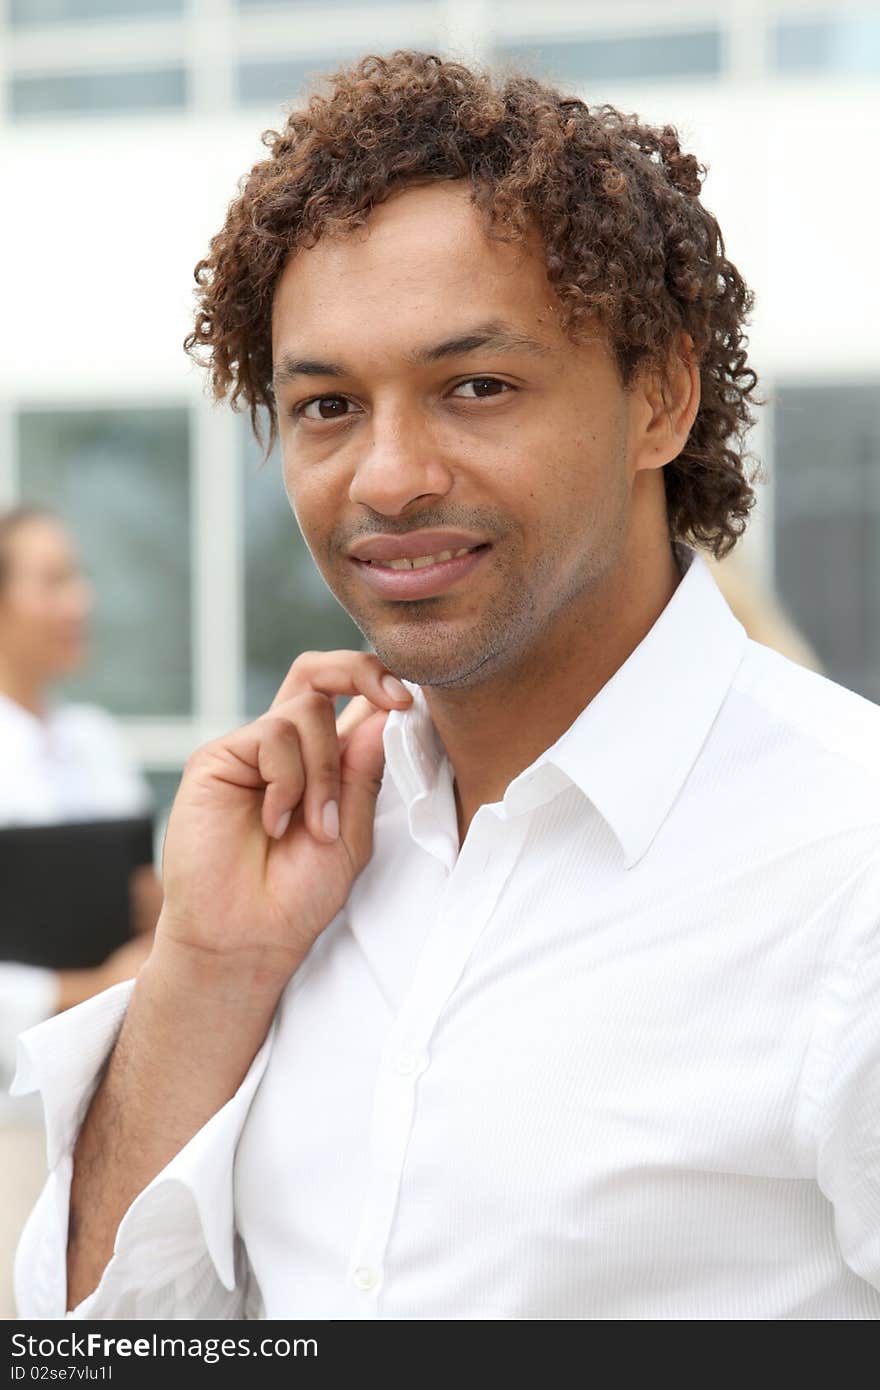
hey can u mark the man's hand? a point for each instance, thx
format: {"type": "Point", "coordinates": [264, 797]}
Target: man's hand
{"type": "Point", "coordinates": [253, 866]}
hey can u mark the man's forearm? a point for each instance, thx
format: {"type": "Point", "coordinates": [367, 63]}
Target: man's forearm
{"type": "Point", "coordinates": [193, 1027]}
{"type": "Point", "coordinates": [253, 873]}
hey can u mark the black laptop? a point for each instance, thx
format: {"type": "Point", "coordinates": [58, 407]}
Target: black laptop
{"type": "Point", "coordinates": [64, 900]}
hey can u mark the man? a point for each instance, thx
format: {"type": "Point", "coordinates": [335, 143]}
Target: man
{"type": "Point", "coordinates": [545, 985]}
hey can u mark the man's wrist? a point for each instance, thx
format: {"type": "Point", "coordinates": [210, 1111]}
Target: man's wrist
{"type": "Point", "coordinates": [232, 984]}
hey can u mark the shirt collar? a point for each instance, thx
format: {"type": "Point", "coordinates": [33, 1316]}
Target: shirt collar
{"type": "Point", "coordinates": [631, 749]}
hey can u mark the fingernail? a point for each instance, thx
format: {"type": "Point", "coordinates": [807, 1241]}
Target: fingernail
{"type": "Point", "coordinates": [330, 819]}
{"type": "Point", "coordinates": [394, 687]}
{"type": "Point", "coordinates": [283, 824]}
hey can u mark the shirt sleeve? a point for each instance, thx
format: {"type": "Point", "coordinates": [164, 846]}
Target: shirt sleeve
{"type": "Point", "coordinates": [177, 1253]}
{"type": "Point", "coordinates": [847, 1098]}
{"type": "Point", "coordinates": [28, 995]}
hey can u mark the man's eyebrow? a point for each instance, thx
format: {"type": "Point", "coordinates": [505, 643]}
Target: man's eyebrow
{"type": "Point", "coordinates": [289, 367]}
{"type": "Point", "coordinates": [496, 337]}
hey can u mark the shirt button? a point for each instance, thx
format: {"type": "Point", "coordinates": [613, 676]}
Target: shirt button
{"type": "Point", "coordinates": [406, 1063]}
{"type": "Point", "coordinates": [365, 1278]}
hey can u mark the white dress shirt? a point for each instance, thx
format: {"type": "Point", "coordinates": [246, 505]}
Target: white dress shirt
{"type": "Point", "coordinates": [70, 765]}
{"type": "Point", "coordinates": [615, 1057]}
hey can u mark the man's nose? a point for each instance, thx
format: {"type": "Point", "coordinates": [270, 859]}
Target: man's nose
{"type": "Point", "coordinates": [401, 462]}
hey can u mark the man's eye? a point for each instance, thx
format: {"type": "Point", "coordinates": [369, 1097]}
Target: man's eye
{"type": "Point", "coordinates": [478, 387]}
{"type": "Point", "coordinates": [325, 408]}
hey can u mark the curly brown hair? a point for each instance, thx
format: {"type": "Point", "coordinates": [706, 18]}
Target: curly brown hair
{"type": "Point", "coordinates": [616, 202]}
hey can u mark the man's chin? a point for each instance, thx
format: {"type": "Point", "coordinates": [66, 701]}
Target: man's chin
{"type": "Point", "coordinates": [434, 664]}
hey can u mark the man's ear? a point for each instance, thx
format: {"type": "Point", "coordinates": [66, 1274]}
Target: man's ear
{"type": "Point", "coordinates": [670, 403]}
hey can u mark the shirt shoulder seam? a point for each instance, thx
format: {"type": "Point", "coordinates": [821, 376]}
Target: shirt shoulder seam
{"type": "Point", "coordinates": [810, 733]}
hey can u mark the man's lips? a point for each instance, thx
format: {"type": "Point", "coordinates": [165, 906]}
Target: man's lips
{"type": "Point", "coordinates": [428, 541]}
{"type": "Point", "coordinates": [418, 583]}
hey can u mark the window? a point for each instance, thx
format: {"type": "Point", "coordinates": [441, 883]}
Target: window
{"type": "Point", "coordinates": [827, 506]}
{"type": "Point", "coordinates": [846, 44]}
{"type": "Point", "coordinates": [276, 80]}
{"type": "Point", "coordinates": [120, 479]}
{"type": "Point", "coordinates": [288, 607]}
{"type": "Point", "coordinates": [164, 786]}
{"type": "Point", "coordinates": [251, 6]}
{"type": "Point", "coordinates": [132, 90]}
{"type": "Point", "coordinates": [690, 53]}
{"type": "Point", "coordinates": [22, 12]}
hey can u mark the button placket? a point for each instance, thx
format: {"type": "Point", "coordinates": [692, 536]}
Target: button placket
{"type": "Point", "coordinates": [464, 906]}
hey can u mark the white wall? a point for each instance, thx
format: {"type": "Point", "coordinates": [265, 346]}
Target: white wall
{"type": "Point", "coordinates": [104, 219]}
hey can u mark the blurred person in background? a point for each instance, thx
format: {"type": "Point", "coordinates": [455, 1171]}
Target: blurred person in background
{"type": "Point", "coordinates": [59, 762]}
{"type": "Point", "coordinates": [760, 610]}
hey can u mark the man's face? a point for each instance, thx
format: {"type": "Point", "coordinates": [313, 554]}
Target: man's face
{"type": "Point", "coordinates": [434, 389]}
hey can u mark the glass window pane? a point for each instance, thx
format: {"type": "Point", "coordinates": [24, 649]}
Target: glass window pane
{"type": "Point", "coordinates": [120, 479]}
{"type": "Point", "coordinates": [164, 788]}
{"type": "Point", "coordinates": [694, 53]}
{"type": "Point", "coordinates": [137, 89]}
{"type": "Point", "coordinates": [827, 509]}
{"type": "Point", "coordinates": [288, 607]}
{"type": "Point", "coordinates": [849, 44]}
{"type": "Point", "coordinates": [274, 80]}
{"type": "Point", "coordinates": [315, 4]}
{"type": "Point", "coordinates": [66, 11]}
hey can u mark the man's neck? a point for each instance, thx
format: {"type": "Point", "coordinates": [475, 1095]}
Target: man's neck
{"type": "Point", "coordinates": [491, 732]}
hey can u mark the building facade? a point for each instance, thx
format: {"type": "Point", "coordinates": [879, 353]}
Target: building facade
{"type": "Point", "coordinates": [124, 128]}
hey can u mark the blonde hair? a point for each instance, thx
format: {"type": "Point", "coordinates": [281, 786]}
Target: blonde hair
{"type": "Point", "coordinates": [761, 612]}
